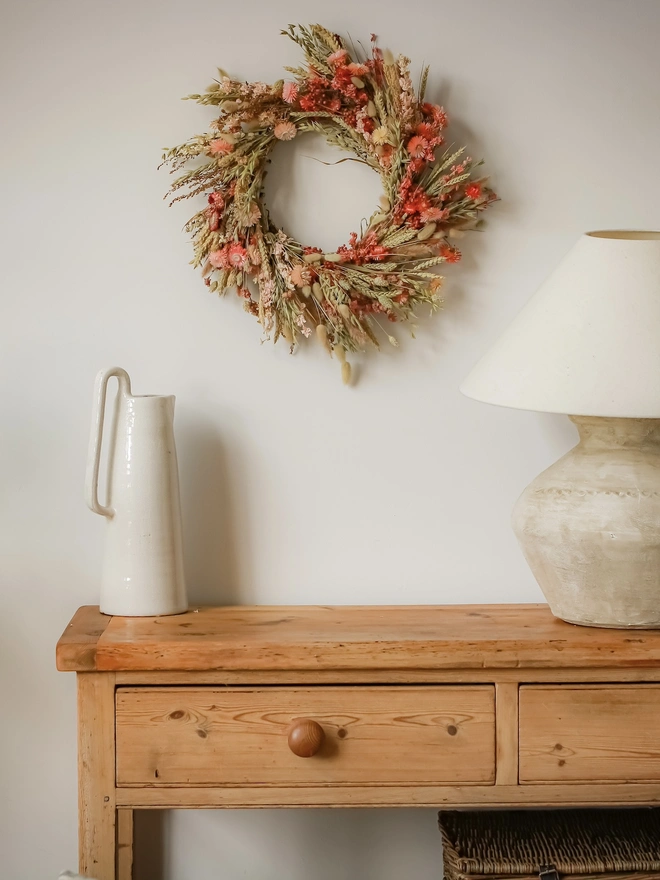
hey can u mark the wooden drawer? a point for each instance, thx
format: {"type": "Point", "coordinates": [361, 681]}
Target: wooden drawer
{"type": "Point", "coordinates": [590, 733]}
{"type": "Point", "coordinates": [219, 736]}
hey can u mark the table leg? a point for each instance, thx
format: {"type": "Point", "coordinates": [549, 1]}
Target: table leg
{"type": "Point", "coordinates": [124, 844]}
{"type": "Point", "coordinates": [97, 813]}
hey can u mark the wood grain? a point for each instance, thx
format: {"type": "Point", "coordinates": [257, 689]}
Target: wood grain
{"type": "Point", "coordinates": [305, 737]}
{"type": "Point", "coordinates": [76, 649]}
{"type": "Point", "coordinates": [125, 828]}
{"type": "Point", "coordinates": [385, 676]}
{"type": "Point", "coordinates": [506, 708]}
{"type": "Point", "coordinates": [464, 797]}
{"type": "Point", "coordinates": [590, 733]}
{"type": "Point", "coordinates": [209, 736]}
{"type": "Point", "coordinates": [420, 706]}
{"type": "Point", "coordinates": [317, 638]}
{"type": "Point", "coordinates": [96, 775]}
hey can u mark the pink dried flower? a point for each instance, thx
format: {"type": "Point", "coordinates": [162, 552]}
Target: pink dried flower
{"type": "Point", "coordinates": [338, 57]}
{"type": "Point", "coordinates": [302, 323]}
{"type": "Point", "coordinates": [357, 69]}
{"type": "Point", "coordinates": [433, 214]}
{"type": "Point", "coordinates": [220, 147]}
{"type": "Point", "coordinates": [284, 131]}
{"type": "Point", "coordinates": [300, 276]}
{"type": "Point", "coordinates": [290, 92]}
{"type": "Point", "coordinates": [267, 289]}
{"type": "Point", "coordinates": [218, 259]}
{"type": "Point", "coordinates": [237, 256]}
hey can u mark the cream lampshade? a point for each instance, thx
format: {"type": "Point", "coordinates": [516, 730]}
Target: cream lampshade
{"type": "Point", "coordinates": [588, 344]}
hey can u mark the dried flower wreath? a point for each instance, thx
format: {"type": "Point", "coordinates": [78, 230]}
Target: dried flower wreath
{"type": "Point", "coordinates": [367, 106]}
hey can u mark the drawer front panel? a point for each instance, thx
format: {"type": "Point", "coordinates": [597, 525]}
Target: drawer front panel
{"type": "Point", "coordinates": [590, 733]}
{"type": "Point", "coordinates": [219, 736]}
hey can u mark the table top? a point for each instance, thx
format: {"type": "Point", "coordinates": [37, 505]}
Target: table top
{"type": "Point", "coordinates": [327, 638]}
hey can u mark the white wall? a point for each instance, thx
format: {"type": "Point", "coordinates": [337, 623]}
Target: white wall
{"type": "Point", "coordinates": [295, 489]}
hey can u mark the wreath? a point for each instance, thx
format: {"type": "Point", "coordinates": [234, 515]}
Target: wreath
{"type": "Point", "coordinates": [366, 105]}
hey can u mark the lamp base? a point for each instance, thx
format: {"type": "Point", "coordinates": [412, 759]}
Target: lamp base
{"type": "Point", "coordinates": [589, 526]}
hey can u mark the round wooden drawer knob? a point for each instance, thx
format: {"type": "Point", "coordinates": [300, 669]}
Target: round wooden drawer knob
{"type": "Point", "coordinates": [305, 737]}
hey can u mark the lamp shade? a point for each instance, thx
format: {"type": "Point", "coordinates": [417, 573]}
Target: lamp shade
{"type": "Point", "coordinates": [588, 341]}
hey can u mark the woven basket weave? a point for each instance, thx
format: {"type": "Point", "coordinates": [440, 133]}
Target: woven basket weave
{"type": "Point", "coordinates": [582, 844]}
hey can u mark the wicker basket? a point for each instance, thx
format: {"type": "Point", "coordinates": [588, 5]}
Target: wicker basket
{"type": "Point", "coordinates": [585, 844]}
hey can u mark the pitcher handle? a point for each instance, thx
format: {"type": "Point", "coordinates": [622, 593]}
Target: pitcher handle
{"type": "Point", "coordinates": [96, 435]}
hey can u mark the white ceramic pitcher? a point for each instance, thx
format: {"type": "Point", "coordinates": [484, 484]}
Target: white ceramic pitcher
{"type": "Point", "coordinates": [143, 567]}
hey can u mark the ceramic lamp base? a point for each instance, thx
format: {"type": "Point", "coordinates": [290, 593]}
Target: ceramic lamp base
{"type": "Point", "coordinates": [589, 526]}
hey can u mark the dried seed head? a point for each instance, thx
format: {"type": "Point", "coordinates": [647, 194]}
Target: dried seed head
{"type": "Point", "coordinates": [371, 110]}
{"type": "Point", "coordinates": [341, 353]}
{"type": "Point", "coordinates": [332, 258]}
{"type": "Point", "coordinates": [230, 106]}
{"type": "Point", "coordinates": [287, 334]}
{"type": "Point", "coordinates": [385, 204]}
{"type": "Point", "coordinates": [344, 311]}
{"type": "Point", "coordinates": [313, 258]}
{"type": "Point", "coordinates": [378, 217]}
{"type": "Point", "coordinates": [316, 290]}
{"type": "Point", "coordinates": [357, 82]}
{"type": "Point", "coordinates": [456, 233]}
{"type": "Point", "coordinates": [228, 137]}
{"type": "Point", "coordinates": [322, 336]}
{"type": "Point", "coordinates": [388, 58]}
{"type": "Point", "coordinates": [426, 232]}
{"type": "Point", "coordinates": [346, 373]}
{"type": "Point", "coordinates": [307, 290]}
{"type": "Point", "coordinates": [393, 341]}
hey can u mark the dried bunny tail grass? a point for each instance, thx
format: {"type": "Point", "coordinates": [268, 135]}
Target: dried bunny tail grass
{"type": "Point", "coordinates": [322, 336]}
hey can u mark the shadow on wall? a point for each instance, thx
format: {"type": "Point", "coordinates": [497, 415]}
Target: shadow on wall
{"type": "Point", "coordinates": [215, 549]}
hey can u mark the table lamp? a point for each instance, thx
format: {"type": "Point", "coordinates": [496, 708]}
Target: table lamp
{"type": "Point", "coordinates": [588, 344]}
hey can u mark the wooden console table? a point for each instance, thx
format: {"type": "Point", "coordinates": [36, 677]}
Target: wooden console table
{"type": "Point", "coordinates": [464, 706]}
